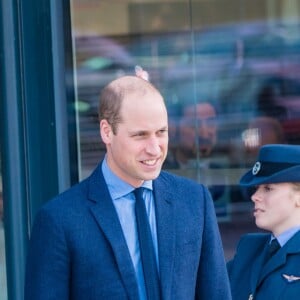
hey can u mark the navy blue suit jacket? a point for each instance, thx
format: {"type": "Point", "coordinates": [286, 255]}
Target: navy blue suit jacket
{"type": "Point", "coordinates": [279, 279]}
{"type": "Point", "coordinates": [78, 250]}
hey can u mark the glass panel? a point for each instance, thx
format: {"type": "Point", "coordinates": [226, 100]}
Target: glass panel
{"type": "Point", "coordinates": [3, 286]}
{"type": "Point", "coordinates": [246, 64]}
{"type": "Point", "coordinates": [230, 79]}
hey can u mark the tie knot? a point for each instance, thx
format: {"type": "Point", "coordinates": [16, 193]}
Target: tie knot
{"type": "Point", "coordinates": [273, 247]}
{"type": "Point", "coordinates": [138, 193]}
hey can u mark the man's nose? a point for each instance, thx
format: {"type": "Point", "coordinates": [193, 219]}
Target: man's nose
{"type": "Point", "coordinates": [153, 146]}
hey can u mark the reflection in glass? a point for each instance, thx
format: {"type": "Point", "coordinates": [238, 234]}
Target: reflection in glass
{"type": "Point", "coordinates": [245, 69]}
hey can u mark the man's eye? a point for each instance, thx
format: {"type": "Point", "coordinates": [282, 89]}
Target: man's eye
{"type": "Point", "coordinates": [139, 134]}
{"type": "Point", "coordinates": [163, 131]}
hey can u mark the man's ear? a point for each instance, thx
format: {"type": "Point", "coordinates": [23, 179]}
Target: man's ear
{"type": "Point", "coordinates": [105, 131]}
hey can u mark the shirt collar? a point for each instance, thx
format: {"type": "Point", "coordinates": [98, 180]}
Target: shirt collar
{"type": "Point", "coordinates": [117, 187]}
{"type": "Point", "coordinates": [286, 235]}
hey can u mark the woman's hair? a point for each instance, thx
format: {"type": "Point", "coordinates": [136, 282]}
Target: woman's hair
{"type": "Point", "coordinates": [296, 185]}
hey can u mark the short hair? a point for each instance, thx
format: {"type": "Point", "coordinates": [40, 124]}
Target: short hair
{"type": "Point", "coordinates": [110, 102]}
{"type": "Point", "coordinates": [114, 93]}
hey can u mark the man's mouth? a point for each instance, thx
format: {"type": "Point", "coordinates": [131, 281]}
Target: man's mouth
{"type": "Point", "coordinates": [150, 162]}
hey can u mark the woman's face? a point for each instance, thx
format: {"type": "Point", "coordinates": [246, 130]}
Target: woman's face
{"type": "Point", "coordinates": [276, 207]}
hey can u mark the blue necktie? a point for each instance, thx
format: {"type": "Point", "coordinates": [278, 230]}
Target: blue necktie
{"type": "Point", "coordinates": [273, 247]}
{"type": "Point", "coordinates": [146, 248]}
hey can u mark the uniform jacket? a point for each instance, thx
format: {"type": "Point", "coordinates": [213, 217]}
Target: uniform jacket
{"type": "Point", "coordinates": [278, 279]}
{"type": "Point", "coordinates": [78, 251]}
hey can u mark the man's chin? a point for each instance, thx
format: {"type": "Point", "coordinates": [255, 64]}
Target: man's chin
{"type": "Point", "coordinates": [151, 175]}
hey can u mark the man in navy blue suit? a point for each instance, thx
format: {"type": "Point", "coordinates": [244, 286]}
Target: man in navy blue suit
{"type": "Point", "coordinates": [84, 243]}
{"type": "Point", "coordinates": [267, 265]}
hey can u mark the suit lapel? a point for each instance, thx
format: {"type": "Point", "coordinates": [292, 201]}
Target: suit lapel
{"type": "Point", "coordinates": [107, 218]}
{"type": "Point", "coordinates": [258, 264]}
{"type": "Point", "coordinates": [274, 262]}
{"type": "Point", "coordinates": [166, 233]}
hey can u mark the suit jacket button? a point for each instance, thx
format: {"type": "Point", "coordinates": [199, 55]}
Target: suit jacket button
{"type": "Point", "coordinates": [250, 297]}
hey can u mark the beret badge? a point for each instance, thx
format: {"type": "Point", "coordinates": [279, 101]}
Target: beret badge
{"type": "Point", "coordinates": [256, 168]}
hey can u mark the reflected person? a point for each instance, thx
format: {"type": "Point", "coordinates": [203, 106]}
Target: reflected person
{"type": "Point", "coordinates": [266, 265]}
{"type": "Point", "coordinates": [197, 133]}
{"type": "Point", "coordinates": [86, 243]}
{"type": "Point", "coordinates": [195, 151]}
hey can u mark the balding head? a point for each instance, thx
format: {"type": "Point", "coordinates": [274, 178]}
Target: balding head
{"type": "Point", "coordinates": [115, 92]}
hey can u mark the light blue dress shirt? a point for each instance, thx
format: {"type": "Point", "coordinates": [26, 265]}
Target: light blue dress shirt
{"type": "Point", "coordinates": [124, 202]}
{"type": "Point", "coordinates": [284, 237]}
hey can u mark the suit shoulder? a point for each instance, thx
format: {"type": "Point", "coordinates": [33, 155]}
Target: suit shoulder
{"type": "Point", "coordinates": [252, 239]}
{"type": "Point", "coordinates": [60, 211]}
{"type": "Point", "coordinates": [179, 180]}
{"type": "Point", "coordinates": [75, 198]}
{"type": "Point", "coordinates": [255, 236]}
{"type": "Point", "coordinates": [249, 247]}
{"type": "Point", "coordinates": [68, 198]}
{"type": "Point", "coordinates": [179, 187]}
